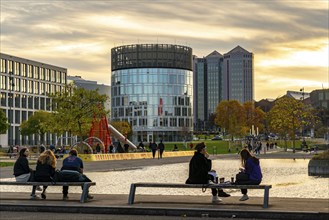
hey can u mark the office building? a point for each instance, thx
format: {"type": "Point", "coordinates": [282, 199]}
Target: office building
{"type": "Point", "coordinates": [238, 75]}
{"type": "Point", "coordinates": [216, 78]}
{"type": "Point", "coordinates": [152, 89]}
{"type": "Point", "coordinates": [24, 86]}
{"type": "Point", "coordinates": [207, 88]}
{"type": "Point", "coordinates": [91, 85]}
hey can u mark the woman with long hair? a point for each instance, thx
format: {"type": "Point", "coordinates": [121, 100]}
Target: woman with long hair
{"type": "Point", "coordinates": [251, 168]}
{"type": "Point", "coordinates": [22, 170]}
{"type": "Point", "coordinates": [45, 170]}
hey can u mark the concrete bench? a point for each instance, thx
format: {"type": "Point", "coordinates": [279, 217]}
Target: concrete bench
{"type": "Point", "coordinates": [85, 186]}
{"type": "Point", "coordinates": [133, 187]}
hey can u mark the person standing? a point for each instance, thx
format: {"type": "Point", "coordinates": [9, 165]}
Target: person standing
{"type": "Point", "coordinates": [251, 168]}
{"type": "Point", "coordinates": [154, 148]}
{"type": "Point", "coordinates": [161, 148]}
{"type": "Point", "coordinates": [45, 169]}
{"type": "Point", "coordinates": [199, 167]}
{"type": "Point", "coordinates": [72, 163]}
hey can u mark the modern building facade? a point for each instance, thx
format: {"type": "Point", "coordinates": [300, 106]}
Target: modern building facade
{"type": "Point", "coordinates": [91, 85]}
{"type": "Point", "coordinates": [238, 75]}
{"type": "Point", "coordinates": [207, 88]}
{"type": "Point", "coordinates": [24, 86]}
{"type": "Point", "coordinates": [152, 89]}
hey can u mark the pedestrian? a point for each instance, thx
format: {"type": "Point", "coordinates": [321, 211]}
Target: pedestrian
{"type": "Point", "coordinates": [72, 163]}
{"type": "Point", "coordinates": [161, 148]}
{"type": "Point", "coordinates": [45, 169]}
{"type": "Point", "coordinates": [111, 149]}
{"type": "Point", "coordinates": [175, 148]}
{"type": "Point", "coordinates": [199, 167]}
{"type": "Point", "coordinates": [22, 170]}
{"type": "Point", "coordinates": [126, 146]}
{"type": "Point", "coordinates": [250, 171]}
{"type": "Point", "coordinates": [154, 148]}
{"type": "Point", "coordinates": [98, 148]}
{"type": "Point", "coordinates": [10, 151]}
{"type": "Point", "coordinates": [141, 145]}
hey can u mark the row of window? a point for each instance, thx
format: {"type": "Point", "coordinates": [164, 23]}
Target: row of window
{"type": "Point", "coordinates": [131, 89]}
{"type": "Point", "coordinates": [170, 77]}
{"type": "Point", "coordinates": [31, 71]}
{"type": "Point", "coordinates": [152, 100]}
{"type": "Point", "coordinates": [160, 122]}
{"type": "Point", "coordinates": [25, 101]}
{"type": "Point", "coordinates": [151, 111]}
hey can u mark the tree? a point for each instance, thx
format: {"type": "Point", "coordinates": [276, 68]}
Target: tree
{"type": "Point", "coordinates": [254, 116]}
{"type": "Point", "coordinates": [287, 116]}
{"type": "Point", "coordinates": [74, 109]}
{"type": "Point", "coordinates": [230, 116]}
{"type": "Point", "coordinates": [36, 124]}
{"type": "Point", "coordinates": [3, 122]}
{"type": "Point", "coordinates": [123, 127]}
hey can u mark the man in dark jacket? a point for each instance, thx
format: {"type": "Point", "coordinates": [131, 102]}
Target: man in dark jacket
{"type": "Point", "coordinates": [199, 167]}
{"type": "Point", "coordinates": [72, 163]}
{"type": "Point", "coordinates": [161, 149]}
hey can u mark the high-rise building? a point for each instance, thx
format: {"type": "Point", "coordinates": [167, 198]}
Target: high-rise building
{"type": "Point", "coordinates": [152, 89]}
{"type": "Point", "coordinates": [207, 88]}
{"type": "Point", "coordinates": [216, 78]}
{"type": "Point", "coordinates": [24, 87]}
{"type": "Point", "coordinates": [238, 75]}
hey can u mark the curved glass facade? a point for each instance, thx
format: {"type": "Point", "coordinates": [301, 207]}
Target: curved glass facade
{"type": "Point", "coordinates": [157, 102]}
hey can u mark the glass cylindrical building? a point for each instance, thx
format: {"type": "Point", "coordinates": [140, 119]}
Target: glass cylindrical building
{"type": "Point", "coordinates": [152, 89]}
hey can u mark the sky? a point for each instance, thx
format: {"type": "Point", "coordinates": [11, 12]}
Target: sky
{"type": "Point", "coordinates": [289, 38]}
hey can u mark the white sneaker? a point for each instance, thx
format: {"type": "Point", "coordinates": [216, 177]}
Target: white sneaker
{"type": "Point", "coordinates": [216, 200]}
{"type": "Point", "coordinates": [244, 197]}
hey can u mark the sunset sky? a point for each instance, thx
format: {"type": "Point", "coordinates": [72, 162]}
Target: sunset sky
{"type": "Point", "coordinates": [289, 38]}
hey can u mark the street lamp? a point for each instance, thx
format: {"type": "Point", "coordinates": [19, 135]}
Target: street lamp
{"type": "Point", "coordinates": [11, 104]}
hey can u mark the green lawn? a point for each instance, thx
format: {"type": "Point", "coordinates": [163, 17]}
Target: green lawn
{"type": "Point", "coordinates": [213, 147]}
{"type": "Point", "coordinates": [6, 164]}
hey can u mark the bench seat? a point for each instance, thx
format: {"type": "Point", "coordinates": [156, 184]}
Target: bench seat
{"type": "Point", "coordinates": [85, 186]}
{"type": "Point", "coordinates": [133, 187]}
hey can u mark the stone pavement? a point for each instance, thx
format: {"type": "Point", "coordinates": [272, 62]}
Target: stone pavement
{"type": "Point", "coordinates": [160, 205]}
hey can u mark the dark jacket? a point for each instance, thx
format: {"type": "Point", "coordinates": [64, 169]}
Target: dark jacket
{"type": "Point", "coordinates": [198, 169]}
{"type": "Point", "coordinates": [253, 169]}
{"type": "Point", "coordinates": [21, 166]}
{"type": "Point", "coordinates": [161, 146]}
{"type": "Point", "coordinates": [44, 172]}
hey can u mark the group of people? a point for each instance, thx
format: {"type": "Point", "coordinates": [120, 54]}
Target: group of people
{"type": "Point", "coordinates": [154, 147]}
{"type": "Point", "coordinates": [200, 166]}
{"type": "Point", "coordinates": [45, 170]}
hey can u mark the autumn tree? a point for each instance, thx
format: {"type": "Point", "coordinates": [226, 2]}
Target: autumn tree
{"type": "Point", "coordinates": [254, 116]}
{"type": "Point", "coordinates": [289, 115]}
{"type": "Point", "coordinates": [74, 109]}
{"type": "Point", "coordinates": [123, 127]}
{"type": "Point", "coordinates": [230, 116]}
{"type": "Point", "coordinates": [38, 123]}
{"type": "Point", "coordinates": [3, 122]}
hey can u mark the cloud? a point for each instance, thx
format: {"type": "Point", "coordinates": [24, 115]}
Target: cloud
{"type": "Point", "coordinates": [79, 34]}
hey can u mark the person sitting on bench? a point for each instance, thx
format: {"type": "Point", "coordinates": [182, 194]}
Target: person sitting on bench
{"type": "Point", "coordinates": [74, 164]}
{"type": "Point", "coordinates": [251, 170]}
{"type": "Point", "coordinates": [199, 167]}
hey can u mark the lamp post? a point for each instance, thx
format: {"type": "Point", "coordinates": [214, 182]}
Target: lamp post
{"type": "Point", "coordinates": [302, 98]}
{"type": "Point", "coordinates": [11, 104]}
